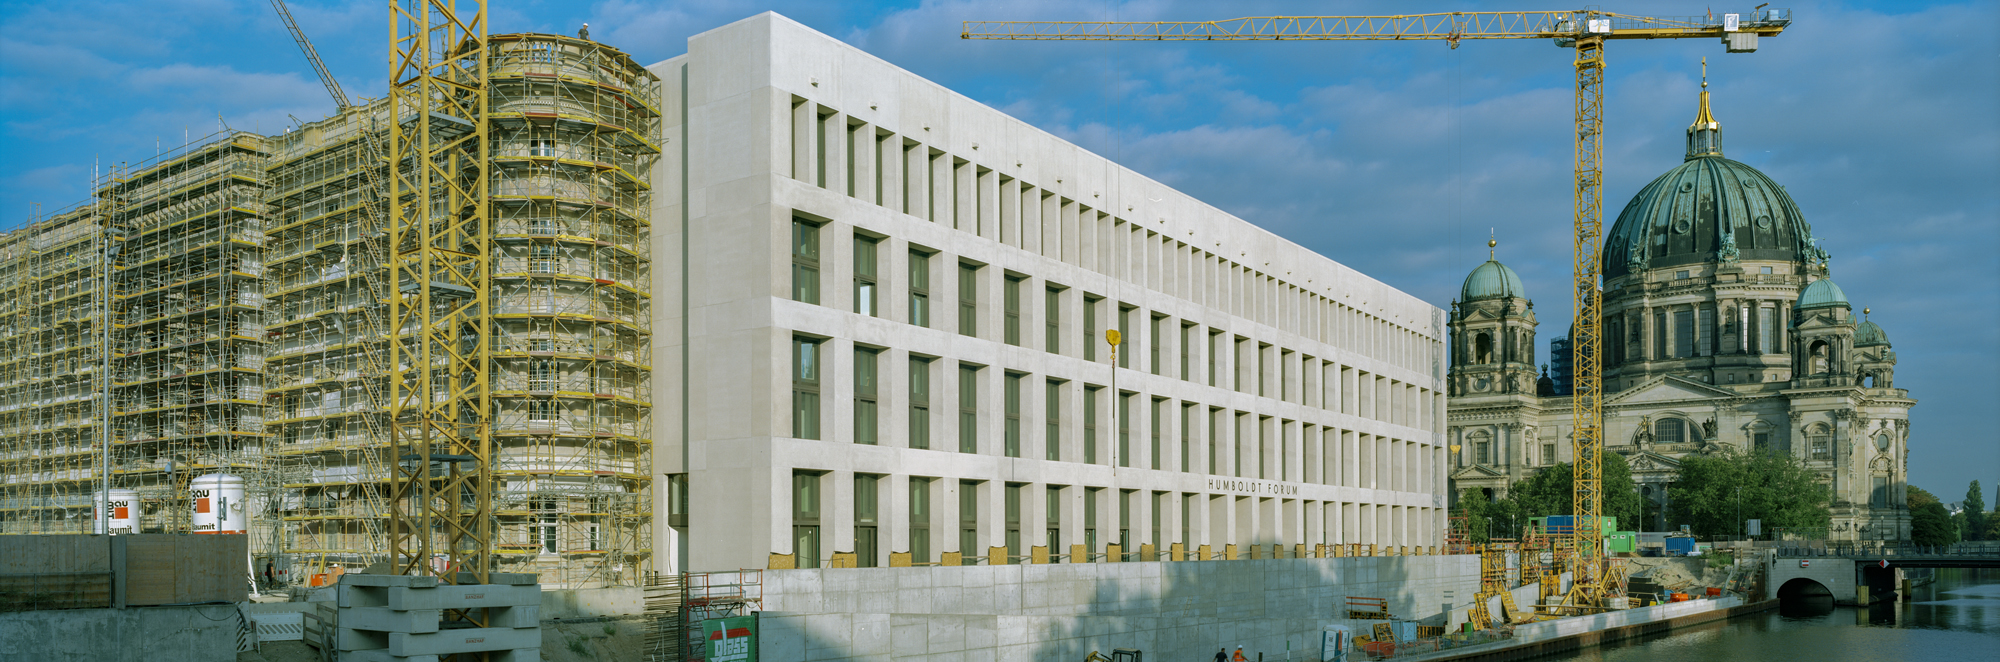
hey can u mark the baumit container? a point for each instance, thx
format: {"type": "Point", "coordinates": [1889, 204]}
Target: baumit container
{"type": "Point", "coordinates": [217, 504]}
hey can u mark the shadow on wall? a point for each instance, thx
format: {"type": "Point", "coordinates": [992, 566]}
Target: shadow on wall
{"type": "Point", "coordinates": [1061, 612]}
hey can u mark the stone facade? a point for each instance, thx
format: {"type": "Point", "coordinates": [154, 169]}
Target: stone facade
{"type": "Point", "coordinates": [1722, 331]}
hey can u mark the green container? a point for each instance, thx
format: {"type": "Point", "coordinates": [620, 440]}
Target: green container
{"type": "Point", "coordinates": [1625, 542]}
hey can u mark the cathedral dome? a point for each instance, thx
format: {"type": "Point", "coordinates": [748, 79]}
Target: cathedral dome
{"type": "Point", "coordinates": [1822, 293]}
{"type": "Point", "coordinates": [1707, 209]}
{"type": "Point", "coordinates": [1870, 335]}
{"type": "Point", "coordinates": [1491, 280]}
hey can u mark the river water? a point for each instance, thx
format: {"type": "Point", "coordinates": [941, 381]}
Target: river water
{"type": "Point", "coordinates": [1957, 618]}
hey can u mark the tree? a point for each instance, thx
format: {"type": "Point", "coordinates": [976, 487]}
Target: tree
{"type": "Point", "coordinates": [1929, 523]}
{"type": "Point", "coordinates": [1472, 505]}
{"type": "Point", "coordinates": [1975, 513]}
{"type": "Point", "coordinates": [1715, 494]}
{"type": "Point", "coordinates": [1551, 492]}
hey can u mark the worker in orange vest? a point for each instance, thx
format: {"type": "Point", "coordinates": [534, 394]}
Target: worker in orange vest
{"type": "Point", "coordinates": [1238, 657]}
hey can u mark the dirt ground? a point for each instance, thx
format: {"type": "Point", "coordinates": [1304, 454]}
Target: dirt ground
{"type": "Point", "coordinates": [590, 640]}
{"type": "Point", "coordinates": [1678, 573]}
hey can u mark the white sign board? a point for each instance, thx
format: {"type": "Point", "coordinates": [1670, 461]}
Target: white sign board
{"type": "Point", "coordinates": [1729, 22]}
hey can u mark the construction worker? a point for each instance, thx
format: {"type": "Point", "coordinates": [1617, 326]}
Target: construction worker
{"type": "Point", "coordinates": [1238, 657]}
{"type": "Point", "coordinates": [1221, 655]}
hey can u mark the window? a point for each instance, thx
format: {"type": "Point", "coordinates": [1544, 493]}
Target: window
{"type": "Point", "coordinates": [541, 411]}
{"type": "Point", "coordinates": [1669, 431]}
{"type": "Point", "coordinates": [1764, 270]}
{"type": "Point", "coordinates": [920, 520]}
{"type": "Point", "coordinates": [1052, 438]}
{"type": "Point", "coordinates": [1821, 443]}
{"type": "Point", "coordinates": [1683, 334]}
{"type": "Point", "coordinates": [1053, 317]}
{"type": "Point", "coordinates": [1125, 337]}
{"type": "Point", "coordinates": [865, 390]}
{"type": "Point", "coordinates": [541, 375]}
{"type": "Point", "coordinates": [1263, 446]}
{"type": "Point", "coordinates": [1681, 275]}
{"type": "Point", "coordinates": [864, 275]}
{"type": "Point", "coordinates": [544, 260]}
{"type": "Point", "coordinates": [1263, 369]}
{"type": "Point", "coordinates": [968, 299]}
{"type": "Point", "coordinates": [1125, 525]}
{"type": "Point", "coordinates": [968, 408]}
{"type": "Point", "coordinates": [1012, 519]}
{"type": "Point", "coordinates": [541, 147]}
{"type": "Point", "coordinates": [805, 518]}
{"type": "Point", "coordinates": [968, 520]}
{"type": "Point", "coordinates": [920, 403]}
{"type": "Point", "coordinates": [1878, 496]}
{"type": "Point", "coordinates": [805, 388]}
{"type": "Point", "coordinates": [1214, 350]}
{"type": "Point", "coordinates": [1705, 328]}
{"type": "Point", "coordinates": [1011, 436]}
{"type": "Point", "coordinates": [545, 527]}
{"type": "Point", "coordinates": [1090, 327]}
{"type": "Point", "coordinates": [1215, 437]}
{"type": "Point", "coordinates": [1124, 429]}
{"type": "Point", "coordinates": [1011, 333]}
{"type": "Point", "coordinates": [1767, 330]}
{"type": "Point", "coordinates": [1482, 447]}
{"type": "Point", "coordinates": [920, 289]}
{"type": "Point", "coordinates": [1052, 505]}
{"type": "Point", "coordinates": [1090, 394]}
{"type": "Point", "coordinates": [1548, 455]}
{"type": "Point", "coordinates": [1160, 505]}
{"type": "Point", "coordinates": [805, 261]}
{"type": "Point", "coordinates": [1243, 362]}
{"type": "Point", "coordinates": [1153, 429]}
{"type": "Point", "coordinates": [1090, 496]}
{"type": "Point", "coordinates": [1153, 336]}
{"type": "Point", "coordinates": [1760, 440]}
{"type": "Point", "coordinates": [866, 507]}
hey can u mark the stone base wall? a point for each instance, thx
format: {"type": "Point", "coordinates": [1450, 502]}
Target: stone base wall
{"type": "Point", "coordinates": [1061, 612]}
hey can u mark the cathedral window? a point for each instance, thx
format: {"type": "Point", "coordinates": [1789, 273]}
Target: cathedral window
{"type": "Point", "coordinates": [1548, 454]}
{"type": "Point", "coordinates": [1669, 431]}
{"type": "Point", "coordinates": [1683, 334]}
{"type": "Point", "coordinates": [1482, 348]}
{"type": "Point", "coordinates": [1659, 335]}
{"type": "Point", "coordinates": [1820, 440]}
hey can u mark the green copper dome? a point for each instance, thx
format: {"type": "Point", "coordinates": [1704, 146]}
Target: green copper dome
{"type": "Point", "coordinates": [1707, 209]}
{"type": "Point", "coordinates": [1822, 293]}
{"type": "Point", "coordinates": [1492, 280]}
{"type": "Point", "coordinates": [1869, 335]}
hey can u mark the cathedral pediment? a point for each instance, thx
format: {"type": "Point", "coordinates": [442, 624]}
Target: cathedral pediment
{"type": "Point", "coordinates": [1651, 462]}
{"type": "Point", "coordinates": [1477, 471]}
{"type": "Point", "coordinates": [1669, 388]}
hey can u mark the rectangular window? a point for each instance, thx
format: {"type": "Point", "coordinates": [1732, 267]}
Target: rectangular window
{"type": "Point", "coordinates": [1215, 437]}
{"type": "Point", "coordinates": [1012, 519]}
{"type": "Point", "coordinates": [920, 403]}
{"type": "Point", "coordinates": [968, 520]}
{"type": "Point", "coordinates": [1822, 447]}
{"type": "Point", "coordinates": [1053, 319]}
{"type": "Point", "coordinates": [1125, 337]}
{"type": "Point", "coordinates": [1160, 506]}
{"type": "Point", "coordinates": [1760, 440]}
{"type": "Point", "coordinates": [1243, 362]}
{"type": "Point", "coordinates": [805, 388]}
{"type": "Point", "coordinates": [1263, 369]}
{"type": "Point", "coordinates": [1090, 394]}
{"type": "Point", "coordinates": [920, 289]}
{"type": "Point", "coordinates": [1154, 431]}
{"type": "Point", "coordinates": [866, 385]}
{"type": "Point", "coordinates": [1187, 437]}
{"type": "Point", "coordinates": [1124, 429]}
{"type": "Point", "coordinates": [542, 375]}
{"type": "Point", "coordinates": [1237, 448]}
{"type": "Point", "coordinates": [1879, 495]}
{"type": "Point", "coordinates": [1705, 326]}
{"type": "Point", "coordinates": [1683, 334]}
{"type": "Point", "coordinates": [543, 260]}
{"type": "Point", "coordinates": [1011, 437]}
{"type": "Point", "coordinates": [968, 300]}
{"type": "Point", "coordinates": [1263, 446]}
{"type": "Point", "coordinates": [1011, 333]}
{"type": "Point", "coordinates": [1659, 335]}
{"type": "Point", "coordinates": [866, 508]}
{"type": "Point", "coordinates": [1548, 455]}
{"type": "Point", "coordinates": [546, 527]}
{"type": "Point", "coordinates": [805, 518]}
{"type": "Point", "coordinates": [1052, 507]}
{"type": "Point", "coordinates": [542, 411]}
{"type": "Point", "coordinates": [1767, 330]}
{"type": "Point", "coordinates": [1052, 437]}
{"type": "Point", "coordinates": [968, 408]}
{"type": "Point", "coordinates": [1153, 336]}
{"type": "Point", "coordinates": [864, 275]}
{"type": "Point", "coordinates": [1125, 525]}
{"type": "Point", "coordinates": [1090, 327]}
{"type": "Point", "coordinates": [920, 520]}
{"type": "Point", "coordinates": [1090, 497]}
{"type": "Point", "coordinates": [805, 261]}
{"type": "Point", "coordinates": [1214, 350]}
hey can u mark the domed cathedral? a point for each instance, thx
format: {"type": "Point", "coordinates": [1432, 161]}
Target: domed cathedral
{"type": "Point", "coordinates": [1722, 330]}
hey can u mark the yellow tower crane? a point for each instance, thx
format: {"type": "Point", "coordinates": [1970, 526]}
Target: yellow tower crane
{"type": "Point", "coordinates": [1586, 31]}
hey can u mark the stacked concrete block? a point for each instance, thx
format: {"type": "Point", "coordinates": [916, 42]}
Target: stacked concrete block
{"type": "Point", "coordinates": [395, 617]}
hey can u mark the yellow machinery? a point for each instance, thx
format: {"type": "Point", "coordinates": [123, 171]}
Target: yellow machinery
{"type": "Point", "coordinates": [441, 487]}
{"type": "Point", "coordinates": [1586, 31]}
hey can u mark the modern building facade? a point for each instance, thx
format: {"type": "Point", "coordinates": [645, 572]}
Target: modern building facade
{"type": "Point", "coordinates": [895, 305]}
{"type": "Point", "coordinates": [1723, 333]}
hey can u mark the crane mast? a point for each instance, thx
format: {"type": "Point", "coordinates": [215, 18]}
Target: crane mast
{"type": "Point", "coordinates": [325, 76]}
{"type": "Point", "coordinates": [1585, 31]}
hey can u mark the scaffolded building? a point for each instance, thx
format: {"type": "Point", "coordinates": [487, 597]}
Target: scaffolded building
{"type": "Point", "coordinates": [157, 284]}
{"type": "Point", "coordinates": [254, 331]}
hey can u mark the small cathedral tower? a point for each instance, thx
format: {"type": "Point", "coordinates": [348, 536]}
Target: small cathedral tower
{"type": "Point", "coordinates": [1492, 333]}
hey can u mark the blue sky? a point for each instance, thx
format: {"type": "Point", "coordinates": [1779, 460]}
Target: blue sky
{"type": "Point", "coordinates": [1882, 120]}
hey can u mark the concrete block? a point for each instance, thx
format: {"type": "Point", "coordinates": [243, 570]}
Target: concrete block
{"type": "Point", "coordinates": [389, 620]}
{"type": "Point", "coordinates": [464, 597]}
{"type": "Point", "coordinates": [411, 581]}
{"type": "Point", "coordinates": [382, 655]}
{"type": "Point", "coordinates": [345, 639]}
{"type": "Point", "coordinates": [468, 640]}
{"type": "Point", "coordinates": [360, 595]}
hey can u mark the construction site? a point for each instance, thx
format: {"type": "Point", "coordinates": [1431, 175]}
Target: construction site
{"type": "Point", "coordinates": [219, 315]}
